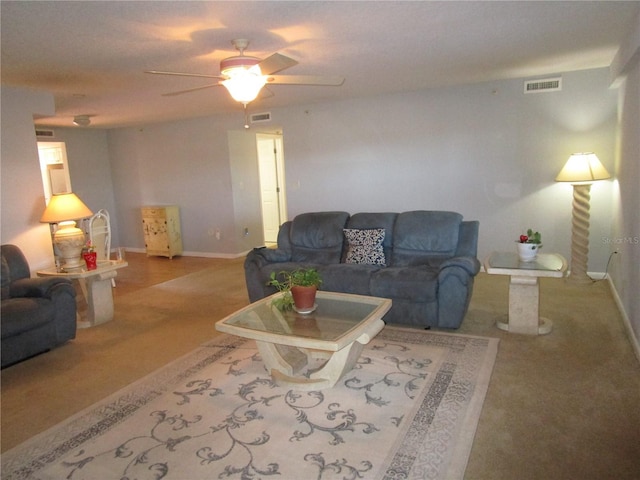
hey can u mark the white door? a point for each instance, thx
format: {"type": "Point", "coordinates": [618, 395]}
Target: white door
{"type": "Point", "coordinates": [271, 168]}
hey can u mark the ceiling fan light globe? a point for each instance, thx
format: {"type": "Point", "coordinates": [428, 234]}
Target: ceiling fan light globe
{"type": "Point", "coordinates": [244, 86]}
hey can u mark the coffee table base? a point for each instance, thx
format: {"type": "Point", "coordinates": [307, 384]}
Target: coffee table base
{"type": "Point", "coordinates": [284, 362]}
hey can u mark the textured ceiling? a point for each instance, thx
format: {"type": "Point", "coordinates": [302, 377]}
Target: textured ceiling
{"type": "Point", "coordinates": [92, 54]}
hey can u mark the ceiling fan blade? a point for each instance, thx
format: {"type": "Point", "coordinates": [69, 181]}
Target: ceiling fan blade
{"type": "Point", "coordinates": [173, 94]}
{"type": "Point", "coordinates": [265, 92]}
{"type": "Point", "coordinates": [276, 63]}
{"type": "Point", "coordinates": [179, 74]}
{"type": "Point", "coordinates": [305, 80]}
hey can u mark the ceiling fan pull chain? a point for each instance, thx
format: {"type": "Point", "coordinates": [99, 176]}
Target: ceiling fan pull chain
{"type": "Point", "coordinates": [246, 117]}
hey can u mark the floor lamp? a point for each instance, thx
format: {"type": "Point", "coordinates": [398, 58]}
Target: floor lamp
{"type": "Point", "coordinates": [582, 169]}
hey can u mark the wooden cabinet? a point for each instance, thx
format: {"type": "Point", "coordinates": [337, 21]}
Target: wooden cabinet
{"type": "Point", "coordinates": [161, 227]}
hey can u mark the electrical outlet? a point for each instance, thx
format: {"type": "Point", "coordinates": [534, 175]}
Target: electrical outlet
{"type": "Point", "coordinates": [218, 234]}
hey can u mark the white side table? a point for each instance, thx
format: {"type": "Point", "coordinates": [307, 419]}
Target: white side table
{"type": "Point", "coordinates": [96, 288]}
{"type": "Point", "coordinates": [524, 288]}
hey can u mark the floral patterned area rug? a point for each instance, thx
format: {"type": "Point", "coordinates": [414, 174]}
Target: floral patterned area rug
{"type": "Point", "coordinates": [409, 409]}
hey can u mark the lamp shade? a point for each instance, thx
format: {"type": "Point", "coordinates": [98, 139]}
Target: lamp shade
{"type": "Point", "coordinates": [65, 206]}
{"type": "Point", "coordinates": [583, 167]}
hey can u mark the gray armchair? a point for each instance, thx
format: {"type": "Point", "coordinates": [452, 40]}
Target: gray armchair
{"type": "Point", "coordinates": [36, 314]}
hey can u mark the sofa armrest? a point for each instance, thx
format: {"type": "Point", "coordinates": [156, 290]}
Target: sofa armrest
{"type": "Point", "coordinates": [470, 264]}
{"type": "Point", "coordinates": [455, 286]}
{"type": "Point", "coordinates": [468, 239]}
{"type": "Point", "coordinates": [43, 287]}
{"type": "Point", "coordinates": [255, 261]}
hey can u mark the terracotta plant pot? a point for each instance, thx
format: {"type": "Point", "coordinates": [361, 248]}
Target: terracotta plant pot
{"type": "Point", "coordinates": [304, 298]}
{"type": "Point", "coordinates": [91, 259]}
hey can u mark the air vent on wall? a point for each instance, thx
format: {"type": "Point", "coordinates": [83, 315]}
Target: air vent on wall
{"type": "Point", "coordinates": [543, 85]}
{"type": "Point", "coordinates": [44, 133]}
{"type": "Point", "coordinates": [261, 117]}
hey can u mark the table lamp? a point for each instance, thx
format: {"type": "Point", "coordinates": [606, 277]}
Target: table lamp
{"type": "Point", "coordinates": [582, 169]}
{"type": "Point", "coordinates": [68, 240]}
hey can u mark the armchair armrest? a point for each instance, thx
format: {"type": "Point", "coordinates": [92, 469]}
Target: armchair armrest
{"type": "Point", "coordinates": [44, 287]}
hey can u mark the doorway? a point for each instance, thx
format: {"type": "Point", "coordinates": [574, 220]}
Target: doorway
{"type": "Point", "coordinates": [272, 184]}
{"type": "Point", "coordinates": [54, 169]}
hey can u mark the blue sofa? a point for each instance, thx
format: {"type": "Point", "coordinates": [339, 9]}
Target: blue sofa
{"type": "Point", "coordinates": [37, 314]}
{"type": "Point", "coordinates": [425, 261]}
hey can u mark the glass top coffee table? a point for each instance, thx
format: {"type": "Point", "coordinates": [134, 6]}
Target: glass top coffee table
{"type": "Point", "coordinates": [334, 333]}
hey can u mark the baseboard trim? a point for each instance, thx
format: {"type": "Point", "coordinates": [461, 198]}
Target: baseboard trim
{"type": "Point", "coordinates": [229, 256]}
{"type": "Point", "coordinates": [635, 343]}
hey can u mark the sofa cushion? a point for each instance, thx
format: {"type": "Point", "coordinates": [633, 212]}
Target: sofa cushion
{"type": "Point", "coordinates": [317, 237]}
{"type": "Point", "coordinates": [416, 284]}
{"type": "Point", "coordinates": [347, 278]}
{"type": "Point", "coordinates": [420, 235]}
{"type": "Point", "coordinates": [365, 246]}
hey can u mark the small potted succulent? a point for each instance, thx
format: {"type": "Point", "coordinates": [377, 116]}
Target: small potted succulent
{"type": "Point", "coordinates": [528, 246]}
{"type": "Point", "coordinates": [298, 289]}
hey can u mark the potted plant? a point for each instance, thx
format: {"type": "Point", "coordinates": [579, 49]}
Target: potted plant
{"type": "Point", "coordinates": [298, 289]}
{"type": "Point", "coordinates": [528, 246]}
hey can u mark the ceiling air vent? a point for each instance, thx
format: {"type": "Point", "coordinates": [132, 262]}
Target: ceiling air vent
{"type": "Point", "coordinates": [44, 133]}
{"type": "Point", "coordinates": [261, 117]}
{"type": "Point", "coordinates": [543, 85]}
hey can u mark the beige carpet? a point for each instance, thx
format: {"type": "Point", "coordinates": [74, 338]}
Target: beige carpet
{"type": "Point", "coordinates": [409, 409]}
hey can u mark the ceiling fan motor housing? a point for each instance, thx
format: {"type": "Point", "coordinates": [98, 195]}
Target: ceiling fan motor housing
{"type": "Point", "coordinates": [240, 61]}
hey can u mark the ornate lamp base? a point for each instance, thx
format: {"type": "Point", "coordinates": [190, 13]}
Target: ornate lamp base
{"type": "Point", "coordinates": [580, 234]}
{"type": "Point", "coordinates": [68, 242]}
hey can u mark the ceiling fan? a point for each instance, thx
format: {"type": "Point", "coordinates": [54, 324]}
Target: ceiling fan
{"type": "Point", "coordinates": [244, 76]}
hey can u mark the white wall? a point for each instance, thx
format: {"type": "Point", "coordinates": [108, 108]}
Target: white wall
{"type": "Point", "coordinates": [22, 192]}
{"type": "Point", "coordinates": [625, 237]}
{"type": "Point", "coordinates": [245, 181]}
{"type": "Point", "coordinates": [183, 163]}
{"type": "Point", "coordinates": [487, 151]}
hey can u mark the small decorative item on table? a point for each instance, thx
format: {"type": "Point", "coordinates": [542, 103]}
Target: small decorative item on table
{"type": "Point", "coordinates": [90, 256]}
{"type": "Point", "coordinates": [528, 246]}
